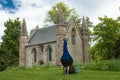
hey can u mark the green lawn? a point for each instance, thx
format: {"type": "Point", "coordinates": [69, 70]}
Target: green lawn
{"type": "Point", "coordinates": [55, 73]}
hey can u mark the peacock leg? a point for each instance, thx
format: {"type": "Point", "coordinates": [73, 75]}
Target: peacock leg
{"type": "Point", "coordinates": [65, 70]}
{"type": "Point", "coordinates": [68, 69]}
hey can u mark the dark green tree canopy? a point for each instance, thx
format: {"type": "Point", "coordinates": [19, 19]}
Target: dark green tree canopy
{"type": "Point", "coordinates": [107, 36]}
{"type": "Point", "coordinates": [11, 36]}
{"type": "Point", "coordinates": [9, 50]}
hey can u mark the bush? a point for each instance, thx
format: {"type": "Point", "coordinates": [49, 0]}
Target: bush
{"type": "Point", "coordinates": [2, 64]}
{"type": "Point", "coordinates": [104, 65]}
{"type": "Point", "coordinates": [7, 60]}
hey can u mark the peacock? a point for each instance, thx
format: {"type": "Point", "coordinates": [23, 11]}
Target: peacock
{"type": "Point", "coordinates": [66, 58]}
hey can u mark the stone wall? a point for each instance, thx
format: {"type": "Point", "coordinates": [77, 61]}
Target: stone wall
{"type": "Point", "coordinates": [42, 56]}
{"type": "Point", "coordinates": [61, 34]}
{"type": "Point", "coordinates": [22, 50]}
{"type": "Point", "coordinates": [74, 49]}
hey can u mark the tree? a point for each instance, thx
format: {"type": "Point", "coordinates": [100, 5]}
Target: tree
{"type": "Point", "coordinates": [10, 45]}
{"type": "Point", "coordinates": [53, 13]}
{"type": "Point", "coordinates": [106, 36]}
{"type": "Point", "coordinates": [11, 36]}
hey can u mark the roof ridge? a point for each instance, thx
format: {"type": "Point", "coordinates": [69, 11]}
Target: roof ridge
{"type": "Point", "coordinates": [47, 26]}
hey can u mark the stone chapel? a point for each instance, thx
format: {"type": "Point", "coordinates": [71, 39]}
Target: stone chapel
{"type": "Point", "coordinates": [45, 46]}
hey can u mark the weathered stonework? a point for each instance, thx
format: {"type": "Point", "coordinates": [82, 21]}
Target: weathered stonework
{"type": "Point", "coordinates": [74, 49]}
{"type": "Point", "coordinates": [49, 51]}
{"type": "Point", "coordinates": [41, 56]}
{"type": "Point", "coordinates": [23, 43]}
{"type": "Point", "coordinates": [84, 33]}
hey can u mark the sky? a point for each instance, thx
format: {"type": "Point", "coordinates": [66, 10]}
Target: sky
{"type": "Point", "coordinates": [35, 11]}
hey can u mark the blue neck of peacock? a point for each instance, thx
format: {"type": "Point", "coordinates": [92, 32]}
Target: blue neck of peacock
{"type": "Point", "coordinates": [65, 50]}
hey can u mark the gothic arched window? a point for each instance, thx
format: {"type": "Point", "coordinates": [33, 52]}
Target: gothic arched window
{"type": "Point", "coordinates": [42, 48]}
{"type": "Point", "coordinates": [50, 53]}
{"type": "Point", "coordinates": [73, 36]}
{"type": "Point", "coordinates": [34, 52]}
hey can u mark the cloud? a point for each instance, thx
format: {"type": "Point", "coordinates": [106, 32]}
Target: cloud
{"type": "Point", "coordinates": [97, 8]}
{"type": "Point", "coordinates": [34, 11]}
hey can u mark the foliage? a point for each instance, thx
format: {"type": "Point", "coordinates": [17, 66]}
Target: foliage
{"type": "Point", "coordinates": [52, 15]}
{"type": "Point", "coordinates": [11, 37]}
{"type": "Point", "coordinates": [7, 60]}
{"type": "Point", "coordinates": [31, 31]}
{"type": "Point", "coordinates": [89, 23]}
{"type": "Point", "coordinates": [107, 37]}
{"type": "Point", "coordinates": [2, 63]}
{"type": "Point", "coordinates": [104, 65]}
{"type": "Point", "coordinates": [55, 73]}
{"type": "Point", "coordinates": [9, 51]}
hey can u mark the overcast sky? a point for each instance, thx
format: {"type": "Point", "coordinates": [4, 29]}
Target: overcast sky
{"type": "Point", "coordinates": [35, 11]}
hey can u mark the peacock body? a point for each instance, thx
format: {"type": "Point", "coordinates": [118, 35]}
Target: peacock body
{"type": "Point", "coordinates": [66, 58]}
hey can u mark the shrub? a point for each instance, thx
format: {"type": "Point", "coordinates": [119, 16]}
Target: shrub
{"type": "Point", "coordinates": [2, 64]}
{"type": "Point", "coordinates": [104, 65]}
{"type": "Point", "coordinates": [7, 60]}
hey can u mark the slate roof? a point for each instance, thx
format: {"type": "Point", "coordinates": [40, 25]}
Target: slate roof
{"type": "Point", "coordinates": [43, 35]}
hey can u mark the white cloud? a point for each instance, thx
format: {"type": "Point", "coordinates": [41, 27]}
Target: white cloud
{"type": "Point", "coordinates": [97, 8]}
{"type": "Point", "coordinates": [109, 8]}
{"type": "Point", "coordinates": [34, 11]}
{"type": "Point", "coordinates": [33, 15]}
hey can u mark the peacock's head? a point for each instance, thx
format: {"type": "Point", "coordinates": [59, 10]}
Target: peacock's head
{"type": "Point", "coordinates": [65, 41]}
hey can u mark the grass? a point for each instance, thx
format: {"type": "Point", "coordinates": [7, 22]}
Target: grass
{"type": "Point", "coordinates": [104, 65]}
{"type": "Point", "coordinates": [55, 73]}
